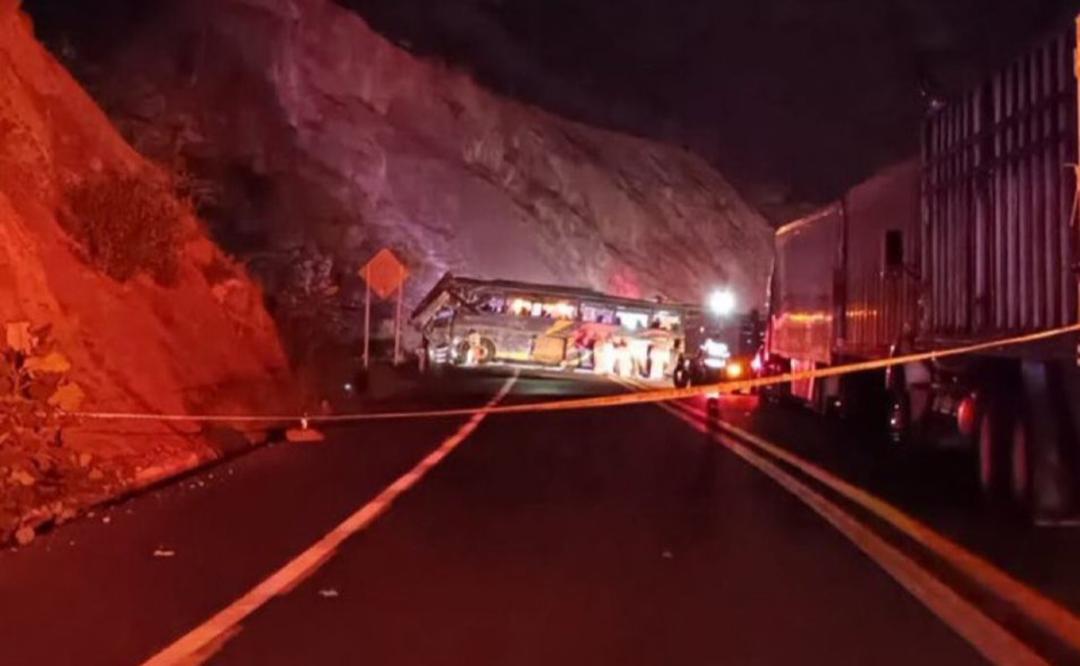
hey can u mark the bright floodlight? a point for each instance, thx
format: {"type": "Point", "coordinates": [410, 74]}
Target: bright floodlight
{"type": "Point", "coordinates": [722, 302]}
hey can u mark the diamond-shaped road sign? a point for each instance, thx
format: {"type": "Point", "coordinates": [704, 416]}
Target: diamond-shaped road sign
{"type": "Point", "coordinates": [384, 273]}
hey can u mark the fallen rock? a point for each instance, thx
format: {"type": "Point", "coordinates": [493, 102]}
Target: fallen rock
{"type": "Point", "coordinates": [303, 435]}
{"type": "Point", "coordinates": [24, 535]}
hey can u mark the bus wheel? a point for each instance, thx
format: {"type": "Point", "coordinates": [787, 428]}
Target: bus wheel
{"type": "Point", "coordinates": [1020, 467]}
{"type": "Point", "coordinates": [487, 352]}
{"type": "Point", "coordinates": [990, 452]}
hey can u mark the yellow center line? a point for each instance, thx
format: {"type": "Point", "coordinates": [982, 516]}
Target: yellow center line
{"type": "Point", "coordinates": [1053, 618]}
{"type": "Point", "coordinates": [990, 639]}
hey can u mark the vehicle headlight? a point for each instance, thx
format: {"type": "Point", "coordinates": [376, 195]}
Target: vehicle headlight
{"type": "Point", "coordinates": [717, 349]}
{"type": "Point", "coordinates": [734, 370]}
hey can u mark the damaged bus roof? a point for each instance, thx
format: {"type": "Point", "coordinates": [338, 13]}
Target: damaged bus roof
{"type": "Point", "coordinates": [464, 289]}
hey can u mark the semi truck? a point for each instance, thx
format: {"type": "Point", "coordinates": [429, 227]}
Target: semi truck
{"type": "Point", "coordinates": [975, 240]}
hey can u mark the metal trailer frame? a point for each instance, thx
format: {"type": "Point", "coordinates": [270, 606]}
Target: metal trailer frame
{"type": "Point", "coordinates": [999, 258]}
{"type": "Point", "coordinates": [996, 253]}
{"type": "Point", "coordinates": [845, 284]}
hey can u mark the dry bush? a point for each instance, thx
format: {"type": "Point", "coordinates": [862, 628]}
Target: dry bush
{"type": "Point", "coordinates": [35, 388]}
{"type": "Point", "coordinates": [128, 224]}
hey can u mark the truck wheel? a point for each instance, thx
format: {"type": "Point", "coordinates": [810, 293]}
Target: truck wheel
{"type": "Point", "coordinates": [991, 457]}
{"type": "Point", "coordinates": [899, 416]}
{"type": "Point", "coordinates": [1020, 464]}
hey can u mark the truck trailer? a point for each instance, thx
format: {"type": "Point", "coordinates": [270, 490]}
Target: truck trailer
{"type": "Point", "coordinates": [976, 240]}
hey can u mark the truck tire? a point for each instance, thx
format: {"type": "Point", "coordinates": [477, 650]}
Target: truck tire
{"type": "Point", "coordinates": [1020, 464]}
{"type": "Point", "coordinates": [864, 402]}
{"type": "Point", "coordinates": [991, 452]}
{"type": "Point", "coordinates": [898, 416]}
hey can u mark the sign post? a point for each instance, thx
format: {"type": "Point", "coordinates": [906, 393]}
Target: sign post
{"type": "Point", "coordinates": [397, 316]}
{"type": "Point", "coordinates": [367, 318]}
{"type": "Point", "coordinates": [384, 274]}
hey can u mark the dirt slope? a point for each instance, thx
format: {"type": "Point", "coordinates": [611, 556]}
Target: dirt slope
{"type": "Point", "coordinates": [203, 341]}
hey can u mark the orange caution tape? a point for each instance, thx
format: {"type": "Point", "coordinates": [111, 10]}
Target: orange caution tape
{"type": "Point", "coordinates": [644, 397]}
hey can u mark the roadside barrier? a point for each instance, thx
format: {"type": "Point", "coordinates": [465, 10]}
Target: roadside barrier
{"type": "Point", "coordinates": [644, 397]}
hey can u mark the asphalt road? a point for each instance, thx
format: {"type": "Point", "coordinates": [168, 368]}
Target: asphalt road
{"type": "Point", "coordinates": [620, 536]}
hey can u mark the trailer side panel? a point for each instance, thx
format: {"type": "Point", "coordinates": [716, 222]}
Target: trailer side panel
{"type": "Point", "coordinates": [998, 202]}
{"type": "Point", "coordinates": [808, 253]}
{"type": "Point", "coordinates": [882, 226]}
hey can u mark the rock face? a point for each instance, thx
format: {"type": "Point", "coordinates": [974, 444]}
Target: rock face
{"type": "Point", "coordinates": [318, 139]}
{"type": "Point", "coordinates": [132, 345]}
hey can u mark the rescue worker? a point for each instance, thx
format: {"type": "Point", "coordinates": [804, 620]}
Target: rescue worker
{"type": "Point", "coordinates": [661, 343]}
{"type": "Point", "coordinates": [624, 362]}
{"type": "Point", "coordinates": [604, 356]}
{"type": "Point", "coordinates": [423, 355]}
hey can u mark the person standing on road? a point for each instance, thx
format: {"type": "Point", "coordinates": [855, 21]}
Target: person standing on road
{"type": "Point", "coordinates": [475, 349]}
{"type": "Point", "coordinates": [423, 357]}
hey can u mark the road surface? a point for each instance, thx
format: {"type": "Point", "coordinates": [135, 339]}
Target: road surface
{"type": "Point", "coordinates": [621, 536]}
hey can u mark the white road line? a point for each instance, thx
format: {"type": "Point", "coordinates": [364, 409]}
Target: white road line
{"type": "Point", "coordinates": [986, 636]}
{"type": "Point", "coordinates": [200, 643]}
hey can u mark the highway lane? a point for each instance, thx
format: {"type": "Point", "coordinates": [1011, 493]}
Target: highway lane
{"type": "Point", "coordinates": [98, 584]}
{"type": "Point", "coordinates": [937, 486]}
{"type": "Point", "coordinates": [618, 536]}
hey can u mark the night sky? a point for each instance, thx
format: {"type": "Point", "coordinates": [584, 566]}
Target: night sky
{"type": "Point", "coordinates": [793, 100]}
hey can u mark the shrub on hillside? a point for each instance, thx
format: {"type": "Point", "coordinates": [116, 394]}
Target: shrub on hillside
{"type": "Point", "coordinates": [128, 224]}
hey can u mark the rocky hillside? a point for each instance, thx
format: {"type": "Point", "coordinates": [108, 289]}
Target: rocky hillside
{"type": "Point", "coordinates": [111, 295]}
{"type": "Point", "coordinates": [315, 142]}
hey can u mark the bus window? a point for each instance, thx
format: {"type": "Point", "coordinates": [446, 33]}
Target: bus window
{"type": "Point", "coordinates": [521, 307]}
{"type": "Point", "coordinates": [443, 319]}
{"type": "Point", "coordinates": [597, 314]}
{"type": "Point", "coordinates": [633, 320]}
{"type": "Point", "coordinates": [492, 305]}
{"type": "Point", "coordinates": [669, 321]}
{"type": "Point", "coordinates": [560, 311]}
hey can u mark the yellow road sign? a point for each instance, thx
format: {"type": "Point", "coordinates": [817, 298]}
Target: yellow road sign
{"type": "Point", "coordinates": [384, 273]}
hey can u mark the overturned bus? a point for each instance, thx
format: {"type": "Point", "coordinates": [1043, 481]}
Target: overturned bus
{"type": "Point", "coordinates": [467, 321]}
